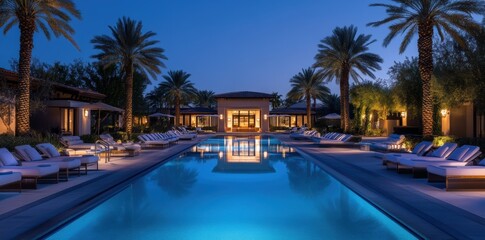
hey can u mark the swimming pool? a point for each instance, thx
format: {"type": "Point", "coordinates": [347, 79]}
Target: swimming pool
{"type": "Point", "coordinates": [230, 187]}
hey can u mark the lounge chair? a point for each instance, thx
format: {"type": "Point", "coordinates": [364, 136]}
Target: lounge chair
{"type": "Point", "coordinates": [459, 157]}
{"type": "Point", "coordinates": [75, 146]}
{"type": "Point", "coordinates": [419, 150]}
{"type": "Point", "coordinates": [148, 141]}
{"type": "Point", "coordinates": [440, 154]}
{"type": "Point", "coordinates": [123, 149]}
{"type": "Point", "coordinates": [304, 135]}
{"type": "Point", "coordinates": [30, 174]}
{"type": "Point", "coordinates": [459, 178]}
{"type": "Point", "coordinates": [11, 180]}
{"type": "Point", "coordinates": [183, 130]}
{"type": "Point", "coordinates": [392, 143]}
{"type": "Point", "coordinates": [49, 151]}
{"type": "Point", "coordinates": [31, 157]}
{"type": "Point", "coordinates": [183, 135]}
{"type": "Point", "coordinates": [331, 138]}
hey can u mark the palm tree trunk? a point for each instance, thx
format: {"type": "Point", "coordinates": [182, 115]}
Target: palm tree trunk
{"type": "Point", "coordinates": [27, 27]}
{"type": "Point", "coordinates": [344, 99]}
{"type": "Point", "coordinates": [129, 98]}
{"type": "Point", "coordinates": [177, 111]}
{"type": "Point", "coordinates": [308, 110]}
{"type": "Point", "coordinates": [425, 49]}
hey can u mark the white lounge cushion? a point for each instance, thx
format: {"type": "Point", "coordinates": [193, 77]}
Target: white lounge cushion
{"type": "Point", "coordinates": [439, 152]}
{"type": "Point", "coordinates": [88, 159]}
{"type": "Point", "coordinates": [9, 177]}
{"type": "Point", "coordinates": [423, 163]}
{"type": "Point", "coordinates": [33, 154]}
{"type": "Point", "coordinates": [63, 163]}
{"type": "Point", "coordinates": [6, 158]}
{"type": "Point", "coordinates": [447, 171]}
{"type": "Point", "coordinates": [48, 149]}
{"type": "Point", "coordinates": [458, 154]}
{"type": "Point", "coordinates": [37, 170]}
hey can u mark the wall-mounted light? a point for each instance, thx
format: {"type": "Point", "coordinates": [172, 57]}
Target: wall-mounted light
{"type": "Point", "coordinates": [444, 112]}
{"type": "Point", "coordinates": [221, 116]}
{"type": "Point", "coordinates": [221, 154]}
{"type": "Point", "coordinates": [86, 113]}
{"type": "Point", "coordinates": [265, 154]}
{"type": "Point", "coordinates": [265, 116]}
{"type": "Point", "coordinates": [403, 114]}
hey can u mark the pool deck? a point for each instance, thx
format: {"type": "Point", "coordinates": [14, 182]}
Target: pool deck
{"type": "Point", "coordinates": [423, 207]}
{"type": "Point", "coordinates": [427, 208]}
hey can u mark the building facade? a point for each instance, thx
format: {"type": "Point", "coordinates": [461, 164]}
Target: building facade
{"type": "Point", "coordinates": [243, 111]}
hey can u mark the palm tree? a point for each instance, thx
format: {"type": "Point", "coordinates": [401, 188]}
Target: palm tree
{"type": "Point", "coordinates": [130, 48]}
{"type": "Point", "coordinates": [31, 16]}
{"type": "Point", "coordinates": [423, 17]}
{"type": "Point", "coordinates": [178, 88]}
{"type": "Point", "coordinates": [307, 84]}
{"type": "Point", "coordinates": [331, 103]}
{"type": "Point", "coordinates": [205, 98]}
{"type": "Point", "coordinates": [342, 56]}
{"type": "Point", "coordinates": [276, 100]}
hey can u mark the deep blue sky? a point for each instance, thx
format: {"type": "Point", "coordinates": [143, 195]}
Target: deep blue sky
{"type": "Point", "coordinates": [227, 45]}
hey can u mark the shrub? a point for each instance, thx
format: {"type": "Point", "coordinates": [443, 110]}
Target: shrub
{"type": "Point", "coordinates": [10, 141]}
{"type": "Point", "coordinates": [440, 140]}
{"type": "Point", "coordinates": [412, 140]}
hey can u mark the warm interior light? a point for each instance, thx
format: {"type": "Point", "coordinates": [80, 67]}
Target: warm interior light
{"type": "Point", "coordinates": [221, 116]}
{"type": "Point", "coordinates": [444, 112]}
{"type": "Point", "coordinates": [403, 114]}
{"type": "Point", "coordinates": [86, 113]}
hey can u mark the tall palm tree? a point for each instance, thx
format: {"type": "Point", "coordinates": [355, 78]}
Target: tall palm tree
{"type": "Point", "coordinates": [423, 17]}
{"type": "Point", "coordinates": [276, 100]}
{"type": "Point", "coordinates": [342, 56]}
{"type": "Point", "coordinates": [31, 16]}
{"type": "Point", "coordinates": [205, 98]}
{"type": "Point", "coordinates": [178, 88]}
{"type": "Point", "coordinates": [130, 48]}
{"type": "Point", "coordinates": [307, 84]}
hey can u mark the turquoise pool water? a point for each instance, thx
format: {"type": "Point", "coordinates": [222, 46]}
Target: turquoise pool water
{"type": "Point", "coordinates": [235, 188]}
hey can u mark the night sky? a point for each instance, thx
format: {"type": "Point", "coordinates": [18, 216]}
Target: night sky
{"type": "Point", "coordinates": [227, 45]}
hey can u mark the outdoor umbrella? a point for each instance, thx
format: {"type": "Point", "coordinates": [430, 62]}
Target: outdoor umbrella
{"type": "Point", "coordinates": [330, 116]}
{"type": "Point", "coordinates": [100, 106]}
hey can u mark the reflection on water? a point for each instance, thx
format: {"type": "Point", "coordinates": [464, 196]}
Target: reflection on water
{"type": "Point", "coordinates": [175, 179]}
{"type": "Point", "coordinates": [306, 178]}
{"type": "Point", "coordinates": [235, 188]}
